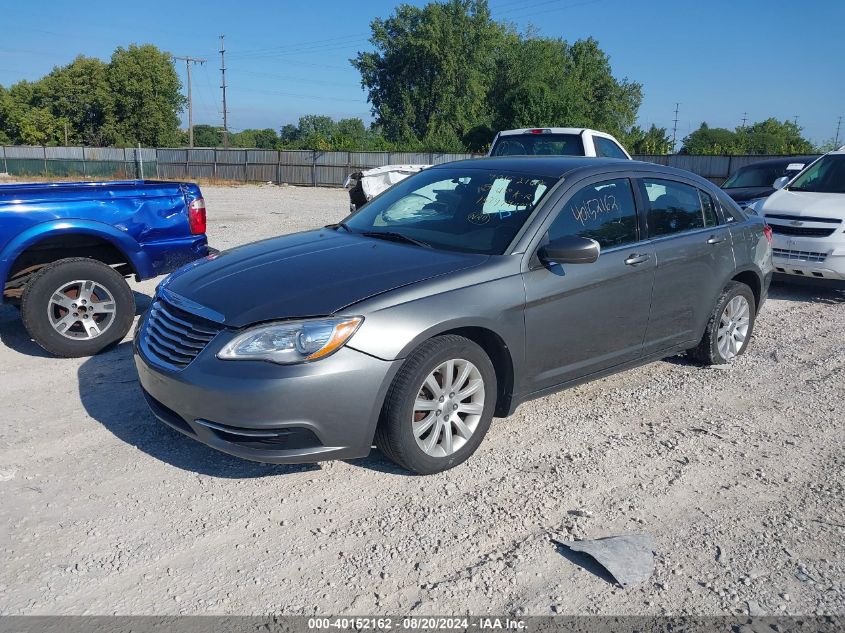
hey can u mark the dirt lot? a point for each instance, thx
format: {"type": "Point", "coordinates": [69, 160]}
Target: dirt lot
{"type": "Point", "coordinates": [737, 473]}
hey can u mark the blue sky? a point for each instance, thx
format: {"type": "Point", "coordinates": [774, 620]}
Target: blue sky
{"type": "Point", "coordinates": [719, 58]}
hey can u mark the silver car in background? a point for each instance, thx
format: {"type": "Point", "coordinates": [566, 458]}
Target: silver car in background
{"type": "Point", "coordinates": [453, 297]}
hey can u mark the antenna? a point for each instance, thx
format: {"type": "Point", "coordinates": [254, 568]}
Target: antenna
{"type": "Point", "coordinates": [188, 61]}
{"type": "Point", "coordinates": [838, 126]}
{"type": "Point", "coordinates": [223, 86]}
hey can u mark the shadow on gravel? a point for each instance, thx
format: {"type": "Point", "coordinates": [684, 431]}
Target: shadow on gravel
{"type": "Point", "coordinates": [793, 291]}
{"type": "Point", "coordinates": [109, 390]}
{"type": "Point", "coordinates": [15, 337]}
{"type": "Point", "coordinates": [585, 561]}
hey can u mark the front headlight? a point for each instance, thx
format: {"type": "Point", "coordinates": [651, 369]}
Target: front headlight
{"type": "Point", "coordinates": [289, 342]}
{"type": "Point", "coordinates": [751, 205]}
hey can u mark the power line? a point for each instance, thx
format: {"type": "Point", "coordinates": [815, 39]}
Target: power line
{"type": "Point", "coordinates": [223, 86]}
{"type": "Point", "coordinates": [188, 61]}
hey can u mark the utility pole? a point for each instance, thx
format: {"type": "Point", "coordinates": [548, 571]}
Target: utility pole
{"type": "Point", "coordinates": [744, 119]}
{"type": "Point", "coordinates": [836, 138]}
{"type": "Point", "coordinates": [66, 145]}
{"type": "Point", "coordinates": [675, 127]}
{"type": "Point", "coordinates": [223, 86]}
{"type": "Point", "coordinates": [188, 61]}
{"type": "Point", "coordinates": [795, 120]}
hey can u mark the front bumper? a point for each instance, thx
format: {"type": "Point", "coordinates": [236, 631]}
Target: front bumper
{"type": "Point", "coordinates": [260, 411]}
{"type": "Point", "coordinates": [810, 257]}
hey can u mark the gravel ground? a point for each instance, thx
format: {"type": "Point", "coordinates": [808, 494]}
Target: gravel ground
{"type": "Point", "coordinates": [737, 473]}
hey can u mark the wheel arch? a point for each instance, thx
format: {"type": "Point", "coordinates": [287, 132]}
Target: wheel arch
{"type": "Point", "coordinates": [753, 280]}
{"type": "Point", "coordinates": [496, 349]}
{"type": "Point", "coordinates": [48, 242]}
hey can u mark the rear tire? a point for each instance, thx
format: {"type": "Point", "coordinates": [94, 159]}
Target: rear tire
{"type": "Point", "coordinates": [730, 327]}
{"type": "Point", "coordinates": [76, 307]}
{"type": "Point", "coordinates": [439, 406]}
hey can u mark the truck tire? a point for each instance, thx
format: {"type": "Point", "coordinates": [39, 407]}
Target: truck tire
{"type": "Point", "coordinates": [76, 307]}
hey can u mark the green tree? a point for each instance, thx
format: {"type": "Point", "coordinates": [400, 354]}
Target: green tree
{"type": "Point", "coordinates": [80, 94]}
{"type": "Point", "coordinates": [148, 97]}
{"type": "Point", "coordinates": [710, 140]}
{"type": "Point", "coordinates": [773, 137]}
{"type": "Point", "coordinates": [655, 140]}
{"type": "Point", "coordinates": [765, 137]}
{"type": "Point", "coordinates": [208, 135]}
{"type": "Point", "coordinates": [432, 70]}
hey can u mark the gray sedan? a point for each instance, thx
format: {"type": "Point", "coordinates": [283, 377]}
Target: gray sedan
{"type": "Point", "coordinates": [453, 297]}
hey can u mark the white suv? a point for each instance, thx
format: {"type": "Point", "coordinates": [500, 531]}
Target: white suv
{"type": "Point", "coordinates": [807, 216]}
{"type": "Point", "coordinates": [556, 141]}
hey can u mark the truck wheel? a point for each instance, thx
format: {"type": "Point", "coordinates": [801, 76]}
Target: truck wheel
{"type": "Point", "coordinates": [729, 328]}
{"type": "Point", "coordinates": [439, 406]}
{"type": "Point", "coordinates": [76, 307]}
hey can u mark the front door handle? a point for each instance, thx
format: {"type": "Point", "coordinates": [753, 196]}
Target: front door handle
{"type": "Point", "coordinates": [633, 260]}
{"type": "Point", "coordinates": [715, 239]}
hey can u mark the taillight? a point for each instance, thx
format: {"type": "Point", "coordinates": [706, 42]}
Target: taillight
{"type": "Point", "coordinates": [540, 131]}
{"type": "Point", "coordinates": [196, 216]}
{"type": "Point", "coordinates": [767, 231]}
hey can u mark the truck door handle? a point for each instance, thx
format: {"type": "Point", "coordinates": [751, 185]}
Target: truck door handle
{"type": "Point", "coordinates": [716, 239]}
{"type": "Point", "coordinates": [633, 260]}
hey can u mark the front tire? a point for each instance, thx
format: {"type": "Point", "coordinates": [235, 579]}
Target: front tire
{"type": "Point", "coordinates": [76, 307]}
{"type": "Point", "coordinates": [729, 329]}
{"type": "Point", "coordinates": [439, 406]}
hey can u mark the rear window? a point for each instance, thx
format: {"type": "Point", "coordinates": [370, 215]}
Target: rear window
{"type": "Point", "coordinates": [538, 145]}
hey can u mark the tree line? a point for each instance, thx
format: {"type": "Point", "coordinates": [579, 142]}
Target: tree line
{"type": "Point", "coordinates": [442, 77]}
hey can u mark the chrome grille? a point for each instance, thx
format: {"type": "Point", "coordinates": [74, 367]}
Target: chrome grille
{"type": "Point", "coordinates": [174, 337]}
{"type": "Point", "coordinates": [804, 256]}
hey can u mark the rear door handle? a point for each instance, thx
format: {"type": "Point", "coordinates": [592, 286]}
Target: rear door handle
{"type": "Point", "coordinates": [633, 260]}
{"type": "Point", "coordinates": [716, 239]}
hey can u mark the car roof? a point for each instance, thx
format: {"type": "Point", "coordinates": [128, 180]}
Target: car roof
{"type": "Point", "coordinates": [553, 130]}
{"type": "Point", "coordinates": [560, 166]}
{"type": "Point", "coordinates": [785, 160]}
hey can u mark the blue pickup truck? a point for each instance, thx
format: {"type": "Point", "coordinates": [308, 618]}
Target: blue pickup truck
{"type": "Point", "coordinates": [66, 250]}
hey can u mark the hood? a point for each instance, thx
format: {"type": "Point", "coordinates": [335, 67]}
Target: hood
{"type": "Point", "coordinates": [742, 194]}
{"type": "Point", "coordinates": [805, 203]}
{"type": "Point", "coordinates": [306, 274]}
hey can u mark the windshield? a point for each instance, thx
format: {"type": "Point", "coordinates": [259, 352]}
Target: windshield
{"type": "Point", "coordinates": [473, 210]}
{"type": "Point", "coordinates": [539, 145]}
{"type": "Point", "coordinates": [754, 177]}
{"type": "Point", "coordinates": [826, 175]}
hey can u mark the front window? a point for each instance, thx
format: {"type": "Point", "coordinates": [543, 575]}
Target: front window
{"type": "Point", "coordinates": [754, 177]}
{"type": "Point", "coordinates": [474, 210]}
{"type": "Point", "coordinates": [826, 175]}
{"type": "Point", "coordinates": [543, 144]}
{"type": "Point", "coordinates": [604, 212]}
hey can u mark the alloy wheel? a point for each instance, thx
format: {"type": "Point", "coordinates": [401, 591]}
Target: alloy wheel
{"type": "Point", "coordinates": [81, 309]}
{"type": "Point", "coordinates": [448, 407]}
{"type": "Point", "coordinates": [733, 327]}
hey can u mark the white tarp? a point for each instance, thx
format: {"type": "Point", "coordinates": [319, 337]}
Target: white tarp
{"type": "Point", "coordinates": [374, 181]}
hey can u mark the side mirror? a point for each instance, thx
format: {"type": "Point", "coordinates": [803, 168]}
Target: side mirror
{"type": "Point", "coordinates": [780, 183]}
{"type": "Point", "coordinates": [570, 250]}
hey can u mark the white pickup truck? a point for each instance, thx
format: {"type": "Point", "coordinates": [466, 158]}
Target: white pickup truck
{"type": "Point", "coordinates": [364, 185]}
{"type": "Point", "coordinates": [557, 141]}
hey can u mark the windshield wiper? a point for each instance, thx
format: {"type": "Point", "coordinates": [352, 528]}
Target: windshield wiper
{"type": "Point", "coordinates": [395, 237]}
{"type": "Point", "coordinates": [339, 225]}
